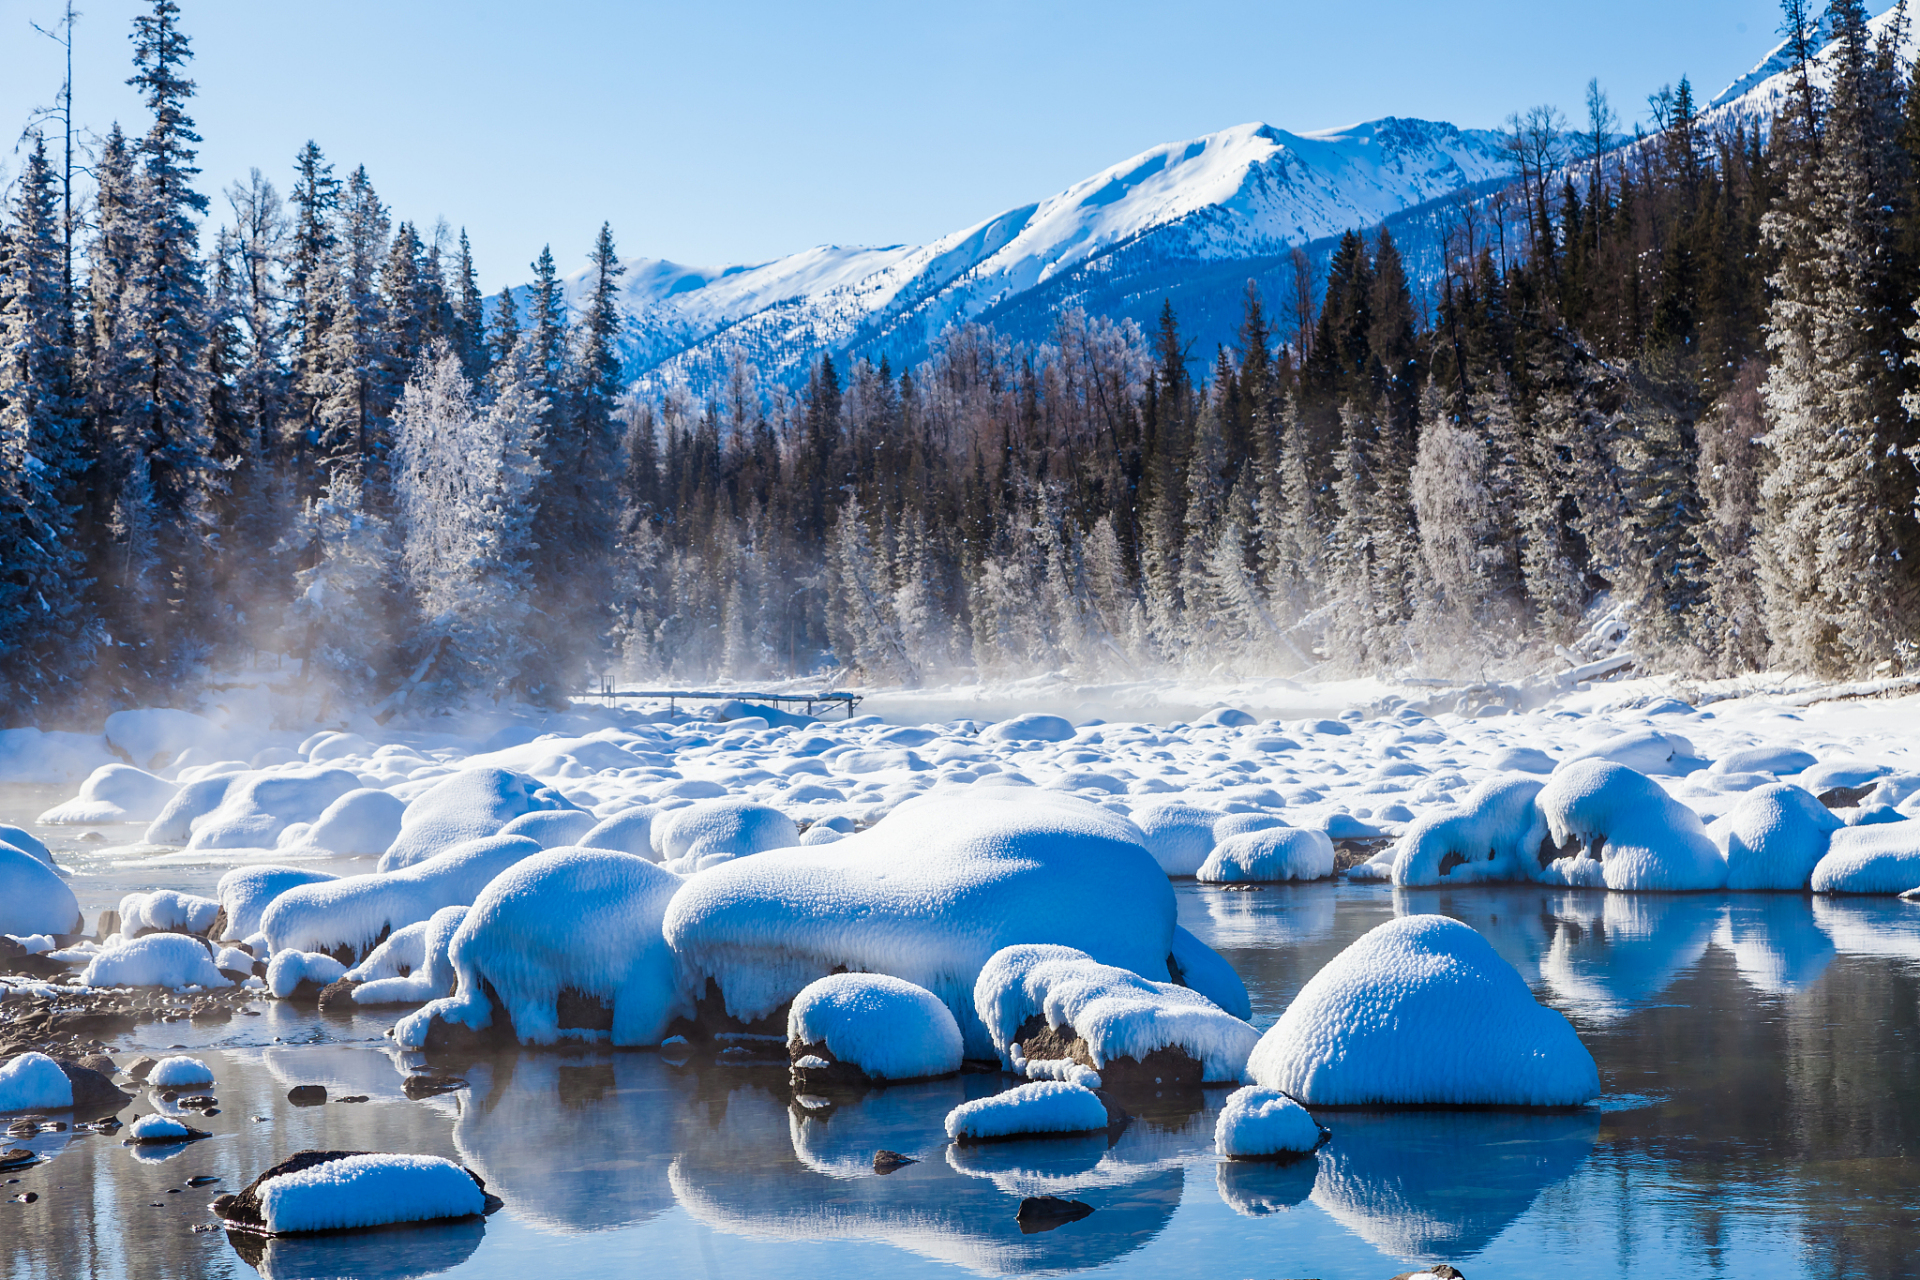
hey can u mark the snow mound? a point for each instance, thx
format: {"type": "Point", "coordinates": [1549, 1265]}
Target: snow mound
{"type": "Point", "coordinates": [244, 893]}
{"type": "Point", "coordinates": [187, 806]}
{"type": "Point", "coordinates": [1033, 727]}
{"type": "Point", "coordinates": [158, 1128]}
{"type": "Point", "coordinates": [1199, 967]}
{"type": "Point", "coordinates": [890, 1029]}
{"type": "Point", "coordinates": [52, 758]}
{"type": "Point", "coordinates": [470, 804]}
{"type": "Point", "coordinates": [1523, 760]}
{"type": "Point", "coordinates": [363, 822]}
{"type": "Point", "coordinates": [629, 832]}
{"type": "Point", "coordinates": [1179, 836]}
{"type": "Point", "coordinates": [259, 806]}
{"type": "Point", "coordinates": [33, 897]}
{"type": "Point", "coordinates": [356, 912]}
{"type": "Point", "coordinates": [426, 951]}
{"type": "Point", "coordinates": [1118, 1013]}
{"type": "Point", "coordinates": [585, 920]}
{"type": "Point", "coordinates": [166, 911]}
{"type": "Point", "coordinates": [1262, 1124]}
{"type": "Point", "coordinates": [26, 842]}
{"type": "Point", "coordinates": [368, 1191]}
{"type": "Point", "coordinates": [1779, 761]}
{"type": "Point", "coordinates": [114, 793]}
{"type": "Point", "coordinates": [180, 1072]}
{"type": "Point", "coordinates": [34, 1082]}
{"type": "Point", "coordinates": [552, 828]}
{"type": "Point", "coordinates": [288, 969]}
{"type": "Point", "coordinates": [1045, 1107]}
{"type": "Point", "coordinates": [1422, 1011]}
{"type": "Point", "coordinates": [1877, 858]}
{"type": "Point", "coordinates": [1494, 834]}
{"type": "Point", "coordinates": [1634, 835]}
{"type": "Point", "coordinates": [1775, 836]}
{"type": "Point", "coordinates": [927, 894]}
{"type": "Point", "coordinates": [1644, 751]}
{"type": "Point", "coordinates": [157, 960]}
{"type": "Point", "coordinates": [735, 827]}
{"type": "Point", "coordinates": [152, 736]}
{"type": "Point", "coordinates": [1270, 854]}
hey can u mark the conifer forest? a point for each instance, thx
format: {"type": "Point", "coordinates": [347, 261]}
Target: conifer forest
{"type": "Point", "coordinates": [1665, 386]}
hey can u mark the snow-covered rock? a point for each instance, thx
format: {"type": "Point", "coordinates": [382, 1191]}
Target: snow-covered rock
{"type": "Point", "coordinates": [883, 1027]}
{"type": "Point", "coordinates": [1422, 1011]}
{"type": "Point", "coordinates": [1033, 727]}
{"type": "Point", "coordinates": [1775, 836]}
{"type": "Point", "coordinates": [1778, 761]}
{"type": "Point", "coordinates": [152, 737]}
{"type": "Point", "coordinates": [552, 828]}
{"type": "Point", "coordinates": [180, 1072]}
{"type": "Point", "coordinates": [289, 969]}
{"type": "Point", "coordinates": [1494, 834]}
{"type": "Point", "coordinates": [259, 806]}
{"type": "Point", "coordinates": [473, 803]}
{"type": "Point", "coordinates": [244, 893]}
{"type": "Point", "coordinates": [1179, 836]}
{"type": "Point", "coordinates": [732, 827]}
{"type": "Point", "coordinates": [1129, 1029]}
{"type": "Point", "coordinates": [34, 1082]}
{"type": "Point", "coordinates": [1880, 858]}
{"type": "Point", "coordinates": [1264, 1124]}
{"type": "Point", "coordinates": [1619, 829]}
{"type": "Point", "coordinates": [1194, 964]}
{"type": "Point", "coordinates": [26, 842]}
{"type": "Point", "coordinates": [33, 897]}
{"type": "Point", "coordinates": [347, 1190]}
{"type": "Point", "coordinates": [355, 912]}
{"type": "Point", "coordinates": [114, 793]}
{"type": "Point", "coordinates": [1029, 1110]}
{"type": "Point", "coordinates": [1644, 751]}
{"type": "Point", "coordinates": [360, 822]}
{"type": "Point", "coordinates": [628, 832]}
{"type": "Point", "coordinates": [1270, 854]}
{"type": "Point", "coordinates": [581, 920]}
{"type": "Point", "coordinates": [157, 960]}
{"type": "Point", "coordinates": [928, 894]}
{"type": "Point", "coordinates": [414, 965]}
{"type": "Point", "coordinates": [166, 911]}
{"type": "Point", "coordinates": [190, 804]}
{"type": "Point", "coordinates": [159, 1130]}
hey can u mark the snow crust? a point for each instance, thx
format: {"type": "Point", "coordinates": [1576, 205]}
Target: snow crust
{"type": "Point", "coordinates": [157, 960]}
{"type": "Point", "coordinates": [1044, 1107]}
{"type": "Point", "coordinates": [1261, 1123]}
{"type": "Point", "coordinates": [585, 919]}
{"type": "Point", "coordinates": [179, 1072]}
{"type": "Point", "coordinates": [33, 897]}
{"type": "Point", "coordinates": [1646, 839]}
{"type": "Point", "coordinates": [355, 910]}
{"type": "Point", "coordinates": [1269, 854]}
{"type": "Point", "coordinates": [368, 1191]}
{"type": "Point", "coordinates": [1422, 1011]}
{"type": "Point", "coordinates": [890, 1029]}
{"type": "Point", "coordinates": [735, 828]}
{"type": "Point", "coordinates": [1117, 1012]}
{"type": "Point", "coordinates": [34, 1082]}
{"type": "Point", "coordinates": [928, 894]}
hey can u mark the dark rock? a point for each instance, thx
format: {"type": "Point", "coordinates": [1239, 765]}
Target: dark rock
{"type": "Point", "coordinates": [354, 1097]}
{"type": "Point", "coordinates": [338, 994]}
{"type": "Point", "coordinates": [93, 1091]}
{"type": "Point", "coordinates": [835, 1076]}
{"type": "Point", "coordinates": [192, 1135]}
{"type": "Point", "coordinates": [307, 1095]}
{"type": "Point", "coordinates": [305, 992]}
{"type": "Point", "coordinates": [17, 1158]}
{"type": "Point", "coordinates": [108, 926]}
{"type": "Point", "coordinates": [97, 1062]}
{"type": "Point", "coordinates": [242, 1209]}
{"type": "Point", "coordinates": [1164, 1069]}
{"type": "Point", "coordinates": [1845, 797]}
{"type": "Point", "coordinates": [14, 959]}
{"type": "Point", "coordinates": [711, 1020]}
{"type": "Point", "coordinates": [218, 929]}
{"type": "Point", "coordinates": [1044, 1213]}
{"type": "Point", "coordinates": [885, 1161]}
{"type": "Point", "coordinates": [141, 1067]}
{"type": "Point", "coordinates": [1443, 1271]}
{"type": "Point", "coordinates": [236, 976]}
{"type": "Point", "coordinates": [580, 1011]}
{"type": "Point", "coordinates": [428, 1084]}
{"type": "Point", "coordinates": [200, 1102]}
{"type": "Point", "coordinates": [26, 1197]}
{"type": "Point", "coordinates": [202, 1180]}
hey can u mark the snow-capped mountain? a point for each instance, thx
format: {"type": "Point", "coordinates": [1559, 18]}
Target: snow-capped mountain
{"type": "Point", "coordinates": [1764, 91]}
{"type": "Point", "coordinates": [1244, 194]}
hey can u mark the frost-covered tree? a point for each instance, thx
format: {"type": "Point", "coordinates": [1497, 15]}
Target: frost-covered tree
{"type": "Point", "coordinates": [354, 383]}
{"type": "Point", "coordinates": [342, 623]}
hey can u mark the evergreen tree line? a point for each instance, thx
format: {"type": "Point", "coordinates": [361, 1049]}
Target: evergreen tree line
{"type": "Point", "coordinates": [1666, 388]}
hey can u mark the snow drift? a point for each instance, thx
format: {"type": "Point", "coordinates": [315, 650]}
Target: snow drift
{"type": "Point", "coordinates": [889, 1029]}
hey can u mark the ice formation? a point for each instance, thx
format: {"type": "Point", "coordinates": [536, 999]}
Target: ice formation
{"type": "Point", "coordinates": [33, 897]}
{"type": "Point", "coordinates": [1028, 1110]}
{"type": "Point", "coordinates": [1494, 834]}
{"type": "Point", "coordinates": [473, 803]}
{"type": "Point", "coordinates": [1881, 858]}
{"type": "Point", "coordinates": [114, 793]}
{"type": "Point", "coordinates": [289, 968]}
{"type": "Point", "coordinates": [426, 954]}
{"type": "Point", "coordinates": [356, 912]}
{"type": "Point", "coordinates": [927, 895]}
{"type": "Point", "coordinates": [1625, 832]}
{"type": "Point", "coordinates": [179, 1072]}
{"type": "Point", "coordinates": [1269, 854]}
{"type": "Point", "coordinates": [157, 960]}
{"type": "Point", "coordinates": [1422, 1011]}
{"type": "Point", "coordinates": [368, 1190]}
{"type": "Point", "coordinates": [1118, 1013]}
{"type": "Point", "coordinates": [34, 1082]}
{"type": "Point", "coordinates": [1775, 836]}
{"type": "Point", "coordinates": [582, 920]}
{"type": "Point", "coordinates": [889, 1029]}
{"type": "Point", "coordinates": [245, 892]}
{"type": "Point", "coordinates": [1264, 1124]}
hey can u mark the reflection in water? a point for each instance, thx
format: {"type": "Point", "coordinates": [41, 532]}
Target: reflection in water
{"type": "Point", "coordinates": [1443, 1184]}
{"type": "Point", "coordinates": [1871, 926]}
{"type": "Point", "coordinates": [398, 1253]}
{"type": "Point", "coordinates": [728, 1178]}
{"type": "Point", "coordinates": [1774, 941]}
{"type": "Point", "coordinates": [1255, 1188]}
{"type": "Point", "coordinates": [1613, 952]}
{"type": "Point", "coordinates": [1276, 915]}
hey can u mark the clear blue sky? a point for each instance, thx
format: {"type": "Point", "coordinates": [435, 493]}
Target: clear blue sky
{"type": "Point", "coordinates": [716, 132]}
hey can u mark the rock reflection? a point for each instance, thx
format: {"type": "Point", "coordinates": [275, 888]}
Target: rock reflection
{"type": "Point", "coordinates": [1871, 926]}
{"type": "Point", "coordinates": [1774, 941]}
{"type": "Point", "coordinates": [398, 1253]}
{"type": "Point", "coordinates": [1276, 915]}
{"type": "Point", "coordinates": [1613, 952]}
{"type": "Point", "coordinates": [1443, 1185]}
{"type": "Point", "coordinates": [1256, 1188]}
{"type": "Point", "coordinates": [730, 1179]}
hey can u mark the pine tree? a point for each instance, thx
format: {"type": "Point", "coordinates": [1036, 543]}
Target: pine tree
{"type": "Point", "coordinates": [469, 334]}
{"type": "Point", "coordinates": [356, 383]}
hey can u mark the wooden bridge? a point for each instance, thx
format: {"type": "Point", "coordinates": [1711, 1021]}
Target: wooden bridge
{"type": "Point", "coordinates": [673, 697]}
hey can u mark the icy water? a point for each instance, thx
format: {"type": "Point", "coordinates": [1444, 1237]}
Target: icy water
{"type": "Point", "coordinates": [1760, 1053]}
